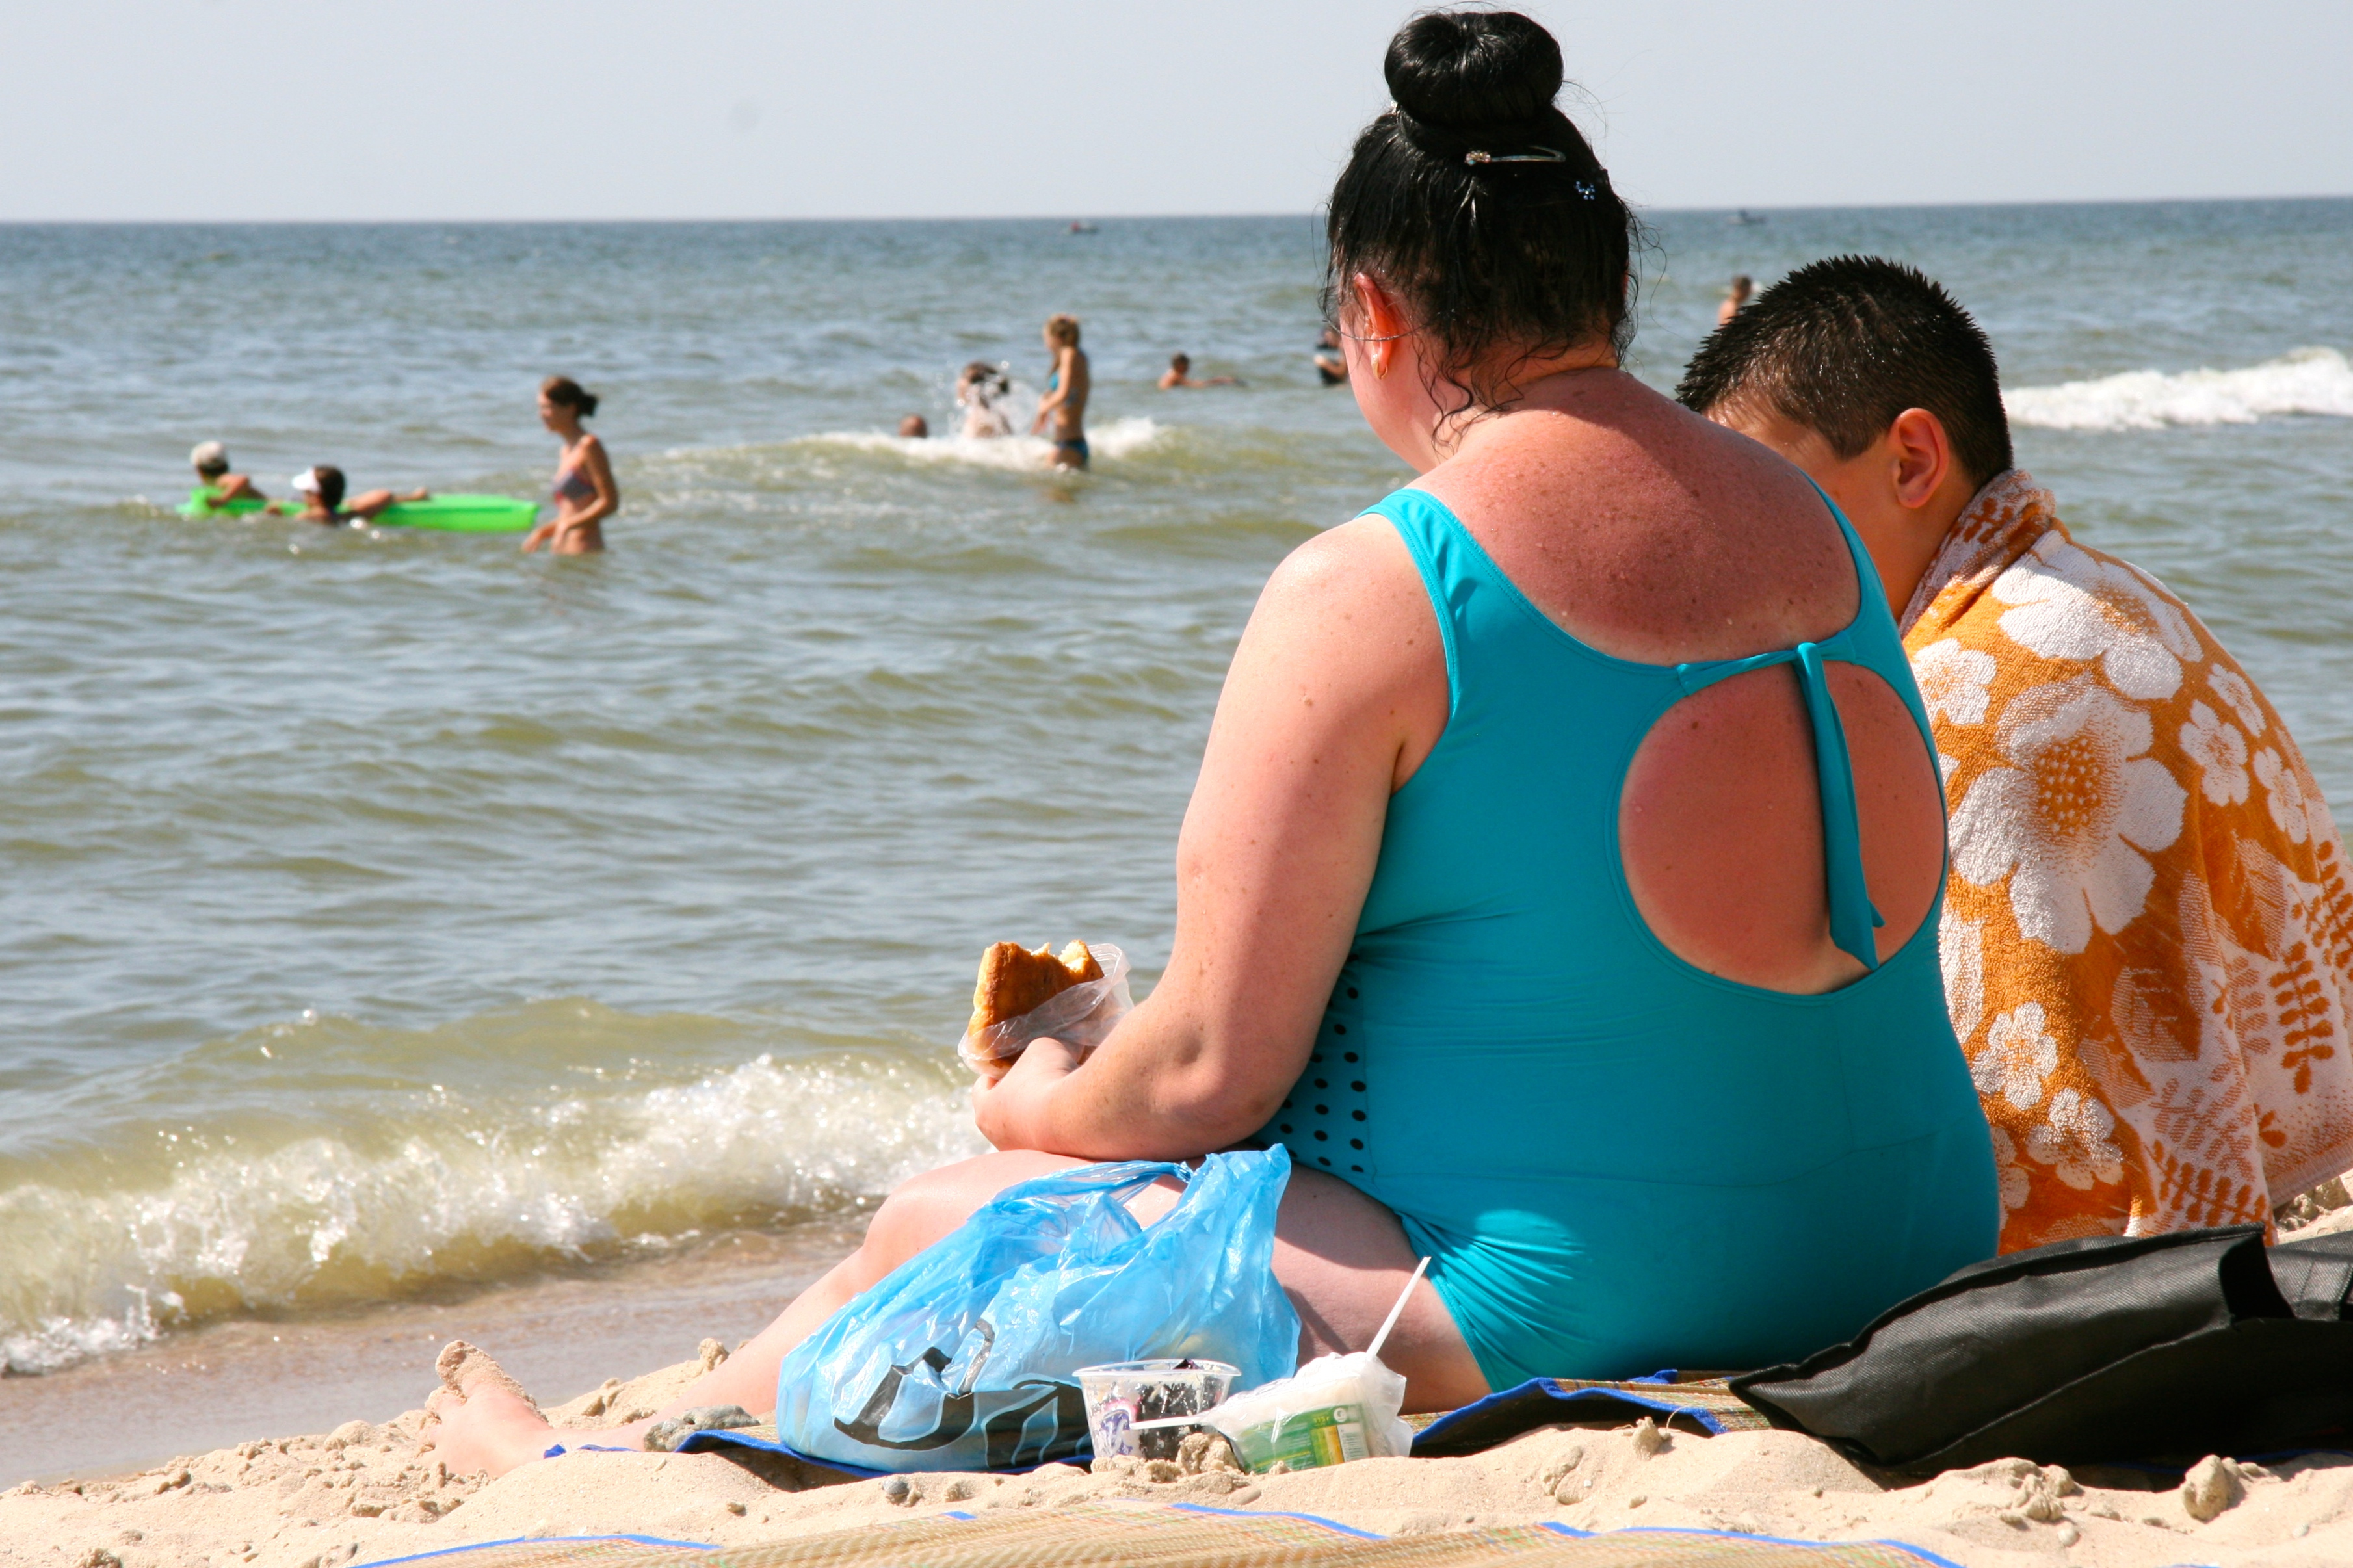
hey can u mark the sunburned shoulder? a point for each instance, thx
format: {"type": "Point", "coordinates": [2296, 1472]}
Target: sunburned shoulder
{"type": "Point", "coordinates": [1656, 538]}
{"type": "Point", "coordinates": [1651, 461]}
{"type": "Point", "coordinates": [1359, 565]}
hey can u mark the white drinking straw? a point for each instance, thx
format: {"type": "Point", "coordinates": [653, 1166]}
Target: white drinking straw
{"type": "Point", "coordinates": [1374, 1350]}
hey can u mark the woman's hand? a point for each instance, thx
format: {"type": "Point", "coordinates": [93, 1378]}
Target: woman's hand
{"type": "Point", "coordinates": [1006, 1109]}
{"type": "Point", "coordinates": [541, 535]}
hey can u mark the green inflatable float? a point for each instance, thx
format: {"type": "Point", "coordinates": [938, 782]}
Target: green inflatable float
{"type": "Point", "coordinates": [447, 514]}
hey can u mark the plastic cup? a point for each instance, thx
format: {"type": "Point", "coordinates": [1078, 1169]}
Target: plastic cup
{"type": "Point", "coordinates": [1124, 1392]}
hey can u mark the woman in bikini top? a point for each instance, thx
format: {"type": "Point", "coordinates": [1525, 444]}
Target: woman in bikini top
{"type": "Point", "coordinates": [584, 493]}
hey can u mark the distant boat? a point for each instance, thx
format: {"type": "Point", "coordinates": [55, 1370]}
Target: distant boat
{"type": "Point", "coordinates": [1079, 226]}
{"type": "Point", "coordinates": [1743, 217]}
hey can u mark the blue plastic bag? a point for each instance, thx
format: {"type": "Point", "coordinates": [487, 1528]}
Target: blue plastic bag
{"type": "Point", "coordinates": [964, 1358]}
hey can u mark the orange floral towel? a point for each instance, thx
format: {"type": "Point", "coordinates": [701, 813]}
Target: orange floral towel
{"type": "Point", "coordinates": [2148, 936]}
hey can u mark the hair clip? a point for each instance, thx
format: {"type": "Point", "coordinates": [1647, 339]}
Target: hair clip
{"type": "Point", "coordinates": [1541, 155]}
{"type": "Point", "coordinates": [1584, 190]}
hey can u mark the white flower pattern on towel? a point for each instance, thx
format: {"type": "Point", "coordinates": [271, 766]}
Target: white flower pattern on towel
{"type": "Point", "coordinates": [2238, 697]}
{"type": "Point", "coordinates": [2219, 750]}
{"type": "Point", "coordinates": [2069, 824]}
{"type": "Point", "coordinates": [2019, 1055]}
{"type": "Point", "coordinates": [1954, 681]}
{"type": "Point", "coordinates": [2073, 1139]}
{"type": "Point", "coordinates": [2074, 605]}
{"type": "Point", "coordinates": [2148, 933]}
{"type": "Point", "coordinates": [2283, 793]}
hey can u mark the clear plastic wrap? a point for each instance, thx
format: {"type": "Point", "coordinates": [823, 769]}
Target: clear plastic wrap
{"type": "Point", "coordinates": [1337, 1408]}
{"type": "Point", "coordinates": [1081, 1016]}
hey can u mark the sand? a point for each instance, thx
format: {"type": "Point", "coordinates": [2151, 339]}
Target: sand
{"type": "Point", "coordinates": [363, 1493]}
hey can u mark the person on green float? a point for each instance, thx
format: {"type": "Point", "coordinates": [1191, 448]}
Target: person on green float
{"type": "Point", "coordinates": [322, 489]}
{"type": "Point", "coordinates": [216, 485]}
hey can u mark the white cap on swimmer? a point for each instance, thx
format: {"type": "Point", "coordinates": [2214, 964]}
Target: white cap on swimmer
{"type": "Point", "coordinates": [210, 457]}
{"type": "Point", "coordinates": [306, 483]}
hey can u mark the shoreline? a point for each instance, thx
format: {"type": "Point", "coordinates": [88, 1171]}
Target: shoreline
{"type": "Point", "coordinates": [232, 1380]}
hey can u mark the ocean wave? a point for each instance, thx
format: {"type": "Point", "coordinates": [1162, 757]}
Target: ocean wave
{"type": "Point", "coordinates": [1118, 438]}
{"type": "Point", "coordinates": [439, 1190]}
{"type": "Point", "coordinates": [2306, 380]}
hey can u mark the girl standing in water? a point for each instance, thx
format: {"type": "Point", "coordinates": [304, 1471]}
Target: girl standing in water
{"type": "Point", "coordinates": [584, 493]}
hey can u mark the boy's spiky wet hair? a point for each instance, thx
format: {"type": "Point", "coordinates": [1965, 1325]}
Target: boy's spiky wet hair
{"type": "Point", "coordinates": [1842, 346]}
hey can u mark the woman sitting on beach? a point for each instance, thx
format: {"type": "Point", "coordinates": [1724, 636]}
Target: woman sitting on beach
{"type": "Point", "coordinates": [1508, 897]}
{"type": "Point", "coordinates": [584, 493]}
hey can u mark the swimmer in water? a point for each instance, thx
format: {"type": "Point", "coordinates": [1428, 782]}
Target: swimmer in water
{"type": "Point", "coordinates": [584, 493]}
{"type": "Point", "coordinates": [322, 489]}
{"type": "Point", "coordinates": [1735, 297]}
{"type": "Point", "coordinates": [215, 483]}
{"type": "Point", "coordinates": [978, 387]}
{"type": "Point", "coordinates": [1330, 365]}
{"type": "Point", "coordinates": [914, 427]}
{"type": "Point", "coordinates": [1180, 374]}
{"type": "Point", "coordinates": [1066, 394]}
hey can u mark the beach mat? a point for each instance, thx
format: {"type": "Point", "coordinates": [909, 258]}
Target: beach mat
{"type": "Point", "coordinates": [1701, 1399]}
{"type": "Point", "coordinates": [1704, 1399]}
{"type": "Point", "coordinates": [1183, 1535]}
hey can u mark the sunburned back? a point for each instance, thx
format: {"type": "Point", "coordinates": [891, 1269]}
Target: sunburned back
{"type": "Point", "coordinates": [1653, 536]}
{"type": "Point", "coordinates": [1644, 991]}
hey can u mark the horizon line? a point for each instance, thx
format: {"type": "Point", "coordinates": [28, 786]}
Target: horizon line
{"type": "Point", "coordinates": [1066, 217]}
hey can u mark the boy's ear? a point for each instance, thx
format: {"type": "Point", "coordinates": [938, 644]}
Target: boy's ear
{"type": "Point", "coordinates": [1920, 455]}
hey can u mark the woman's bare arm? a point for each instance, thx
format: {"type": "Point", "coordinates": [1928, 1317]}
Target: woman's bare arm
{"type": "Point", "coordinates": [1337, 690]}
{"type": "Point", "coordinates": [1062, 393]}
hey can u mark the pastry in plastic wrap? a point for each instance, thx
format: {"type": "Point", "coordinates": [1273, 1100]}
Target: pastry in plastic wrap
{"type": "Point", "coordinates": [1026, 993]}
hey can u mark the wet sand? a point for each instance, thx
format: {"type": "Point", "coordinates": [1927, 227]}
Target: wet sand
{"type": "Point", "coordinates": [231, 1381]}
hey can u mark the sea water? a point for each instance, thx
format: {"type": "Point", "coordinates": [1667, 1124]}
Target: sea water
{"type": "Point", "coordinates": [391, 918]}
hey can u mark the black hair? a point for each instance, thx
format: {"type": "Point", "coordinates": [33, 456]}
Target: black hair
{"type": "Point", "coordinates": [567, 393]}
{"type": "Point", "coordinates": [330, 482]}
{"type": "Point", "coordinates": [1476, 200]}
{"type": "Point", "coordinates": [1842, 346]}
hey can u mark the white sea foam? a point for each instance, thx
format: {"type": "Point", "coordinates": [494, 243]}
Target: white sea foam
{"type": "Point", "coordinates": [444, 1190]}
{"type": "Point", "coordinates": [1118, 438]}
{"type": "Point", "coordinates": [2307, 380]}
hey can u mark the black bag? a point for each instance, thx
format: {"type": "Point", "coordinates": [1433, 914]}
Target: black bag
{"type": "Point", "coordinates": [2158, 1347]}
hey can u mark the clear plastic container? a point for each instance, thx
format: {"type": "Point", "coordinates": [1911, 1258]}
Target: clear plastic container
{"type": "Point", "coordinates": [1338, 1408]}
{"type": "Point", "coordinates": [1124, 1392]}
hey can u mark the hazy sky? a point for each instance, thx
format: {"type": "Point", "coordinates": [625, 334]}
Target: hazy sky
{"type": "Point", "coordinates": [526, 109]}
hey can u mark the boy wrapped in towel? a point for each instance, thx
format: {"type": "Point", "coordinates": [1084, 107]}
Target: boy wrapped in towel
{"type": "Point", "coordinates": [2147, 937]}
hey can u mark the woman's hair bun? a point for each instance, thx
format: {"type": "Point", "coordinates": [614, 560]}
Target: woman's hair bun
{"type": "Point", "coordinates": [1463, 69]}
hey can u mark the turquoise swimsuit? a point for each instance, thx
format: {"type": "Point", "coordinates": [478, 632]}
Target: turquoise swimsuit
{"type": "Point", "coordinates": [1615, 1161]}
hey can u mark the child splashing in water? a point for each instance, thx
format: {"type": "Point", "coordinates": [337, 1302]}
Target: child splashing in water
{"type": "Point", "coordinates": [584, 493]}
{"type": "Point", "coordinates": [978, 387]}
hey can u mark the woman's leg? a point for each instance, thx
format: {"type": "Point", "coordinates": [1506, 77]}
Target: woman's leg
{"type": "Point", "coordinates": [1341, 1257]}
{"type": "Point", "coordinates": [485, 1424]}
